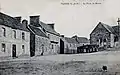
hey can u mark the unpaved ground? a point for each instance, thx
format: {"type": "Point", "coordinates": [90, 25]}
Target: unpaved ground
{"type": "Point", "coordinates": [79, 64]}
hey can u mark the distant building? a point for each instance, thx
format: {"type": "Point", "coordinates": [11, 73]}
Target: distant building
{"type": "Point", "coordinates": [14, 36]}
{"type": "Point", "coordinates": [70, 45]}
{"type": "Point", "coordinates": [81, 40]}
{"type": "Point", "coordinates": [104, 35]}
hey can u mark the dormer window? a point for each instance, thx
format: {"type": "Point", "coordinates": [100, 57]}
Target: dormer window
{"type": "Point", "coordinates": [3, 31]}
{"type": "Point", "coordinates": [23, 35]}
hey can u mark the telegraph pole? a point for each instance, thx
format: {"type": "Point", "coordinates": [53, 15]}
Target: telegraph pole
{"type": "Point", "coordinates": [118, 29]}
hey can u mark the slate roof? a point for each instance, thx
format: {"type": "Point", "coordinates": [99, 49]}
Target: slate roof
{"type": "Point", "coordinates": [71, 40]}
{"type": "Point", "coordinates": [48, 28]}
{"type": "Point", "coordinates": [116, 30]}
{"type": "Point", "coordinates": [9, 21]}
{"type": "Point", "coordinates": [109, 28]}
{"type": "Point", "coordinates": [37, 31]}
{"type": "Point", "coordinates": [81, 39]}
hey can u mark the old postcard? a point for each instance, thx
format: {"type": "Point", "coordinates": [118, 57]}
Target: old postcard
{"type": "Point", "coordinates": [59, 37]}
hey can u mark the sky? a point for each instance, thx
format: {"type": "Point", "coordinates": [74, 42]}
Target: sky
{"type": "Point", "coordinates": [69, 20]}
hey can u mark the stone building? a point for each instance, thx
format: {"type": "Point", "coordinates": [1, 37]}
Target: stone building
{"type": "Point", "coordinates": [70, 44]}
{"type": "Point", "coordinates": [49, 31]}
{"type": "Point", "coordinates": [104, 35]}
{"type": "Point", "coordinates": [14, 36]}
{"type": "Point", "coordinates": [81, 40]}
{"type": "Point", "coordinates": [39, 42]}
{"type": "Point", "coordinates": [53, 36]}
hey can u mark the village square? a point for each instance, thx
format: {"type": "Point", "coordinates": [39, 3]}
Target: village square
{"type": "Point", "coordinates": [35, 48]}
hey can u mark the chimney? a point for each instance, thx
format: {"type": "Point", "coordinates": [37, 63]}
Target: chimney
{"type": "Point", "coordinates": [34, 20]}
{"type": "Point", "coordinates": [51, 25]}
{"type": "Point", "coordinates": [24, 23]}
{"type": "Point", "coordinates": [74, 36]}
{"type": "Point", "coordinates": [18, 18]}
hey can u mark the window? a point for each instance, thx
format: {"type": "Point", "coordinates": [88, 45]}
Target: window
{"type": "Point", "coordinates": [104, 40]}
{"type": "Point", "coordinates": [49, 35]}
{"type": "Point", "coordinates": [115, 39]}
{"type": "Point", "coordinates": [23, 35]}
{"type": "Point", "coordinates": [3, 32]}
{"type": "Point", "coordinates": [23, 48]}
{"type": "Point", "coordinates": [14, 34]}
{"type": "Point", "coordinates": [52, 47]}
{"type": "Point", "coordinates": [3, 47]}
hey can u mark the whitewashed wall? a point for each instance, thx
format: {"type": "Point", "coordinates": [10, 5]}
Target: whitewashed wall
{"type": "Point", "coordinates": [9, 40]}
{"type": "Point", "coordinates": [112, 40]}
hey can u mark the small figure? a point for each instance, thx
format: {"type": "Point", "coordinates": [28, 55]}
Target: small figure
{"type": "Point", "coordinates": [104, 68]}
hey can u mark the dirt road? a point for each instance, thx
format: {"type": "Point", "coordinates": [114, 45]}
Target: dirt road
{"type": "Point", "coordinates": [79, 64]}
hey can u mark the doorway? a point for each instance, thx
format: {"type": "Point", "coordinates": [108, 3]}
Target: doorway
{"type": "Point", "coordinates": [61, 46]}
{"type": "Point", "coordinates": [13, 50]}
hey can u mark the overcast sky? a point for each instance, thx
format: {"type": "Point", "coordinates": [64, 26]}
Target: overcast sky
{"type": "Point", "coordinates": [69, 20]}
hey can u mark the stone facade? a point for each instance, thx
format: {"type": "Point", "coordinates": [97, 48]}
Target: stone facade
{"type": "Point", "coordinates": [70, 45]}
{"type": "Point", "coordinates": [48, 30]}
{"type": "Point", "coordinates": [103, 35]}
{"type": "Point", "coordinates": [42, 46]}
{"type": "Point", "coordinates": [54, 43]}
{"type": "Point", "coordinates": [39, 42]}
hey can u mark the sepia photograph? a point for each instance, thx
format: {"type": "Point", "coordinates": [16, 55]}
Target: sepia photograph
{"type": "Point", "coordinates": [59, 37]}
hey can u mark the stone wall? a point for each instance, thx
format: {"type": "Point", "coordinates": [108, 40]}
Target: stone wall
{"type": "Point", "coordinates": [101, 34]}
{"type": "Point", "coordinates": [42, 45]}
{"type": "Point", "coordinates": [55, 47]}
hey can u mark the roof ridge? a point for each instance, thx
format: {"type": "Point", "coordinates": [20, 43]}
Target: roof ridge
{"type": "Point", "coordinates": [48, 28]}
{"type": "Point", "coordinates": [39, 30]}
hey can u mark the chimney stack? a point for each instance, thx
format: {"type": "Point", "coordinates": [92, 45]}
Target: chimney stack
{"type": "Point", "coordinates": [34, 20]}
{"type": "Point", "coordinates": [18, 18]}
{"type": "Point", "coordinates": [51, 25]}
{"type": "Point", "coordinates": [24, 23]}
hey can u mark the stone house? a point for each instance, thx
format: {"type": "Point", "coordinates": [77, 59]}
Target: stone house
{"type": "Point", "coordinates": [104, 35]}
{"type": "Point", "coordinates": [39, 42]}
{"type": "Point", "coordinates": [14, 36]}
{"type": "Point", "coordinates": [70, 45]}
{"type": "Point", "coordinates": [49, 31]}
{"type": "Point", "coordinates": [81, 40]}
